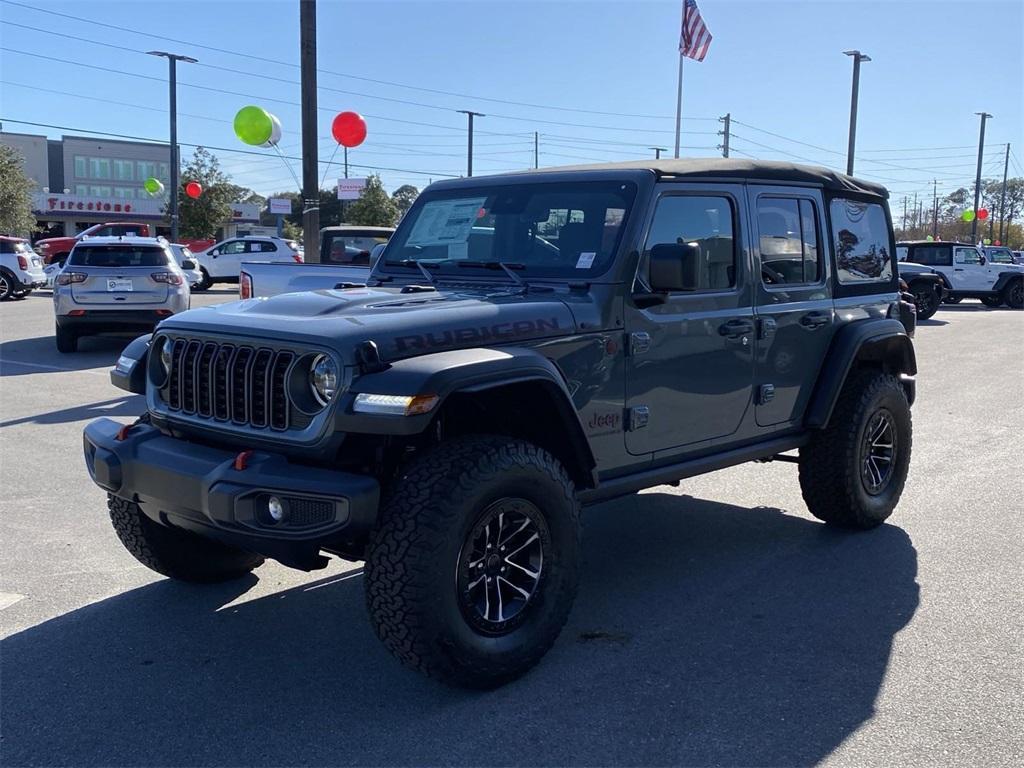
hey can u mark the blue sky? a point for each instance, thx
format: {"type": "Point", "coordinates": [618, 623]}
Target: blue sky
{"type": "Point", "coordinates": [776, 66]}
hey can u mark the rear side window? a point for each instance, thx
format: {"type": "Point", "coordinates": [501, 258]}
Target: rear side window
{"type": "Point", "coordinates": [705, 221]}
{"type": "Point", "coordinates": [932, 255]}
{"type": "Point", "coordinates": [861, 239]}
{"type": "Point", "coordinates": [354, 249]}
{"type": "Point", "coordinates": [118, 256]}
{"type": "Point", "coordinates": [261, 246]}
{"type": "Point", "coordinates": [788, 243]}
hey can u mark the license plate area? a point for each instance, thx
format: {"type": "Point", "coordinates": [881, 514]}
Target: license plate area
{"type": "Point", "coordinates": [117, 284]}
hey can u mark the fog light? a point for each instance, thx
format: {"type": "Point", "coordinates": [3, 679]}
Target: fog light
{"type": "Point", "coordinates": [275, 509]}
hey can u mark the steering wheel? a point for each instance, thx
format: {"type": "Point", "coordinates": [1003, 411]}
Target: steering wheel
{"type": "Point", "coordinates": [771, 276]}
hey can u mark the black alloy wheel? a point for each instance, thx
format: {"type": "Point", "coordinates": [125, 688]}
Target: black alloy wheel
{"type": "Point", "coordinates": [501, 566]}
{"type": "Point", "coordinates": [878, 452]}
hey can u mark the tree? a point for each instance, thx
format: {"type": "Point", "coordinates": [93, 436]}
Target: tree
{"type": "Point", "coordinates": [404, 197]}
{"type": "Point", "coordinates": [374, 208]}
{"type": "Point", "coordinates": [15, 194]}
{"type": "Point", "coordinates": [201, 217]}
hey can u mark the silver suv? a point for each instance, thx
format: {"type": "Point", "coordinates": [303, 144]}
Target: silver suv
{"type": "Point", "coordinates": [116, 284]}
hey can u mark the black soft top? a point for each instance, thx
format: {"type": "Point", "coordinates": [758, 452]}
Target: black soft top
{"type": "Point", "coordinates": [727, 168]}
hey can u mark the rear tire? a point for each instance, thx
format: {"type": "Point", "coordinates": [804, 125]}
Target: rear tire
{"type": "Point", "coordinates": [1013, 294]}
{"type": "Point", "coordinates": [67, 340]}
{"type": "Point", "coordinates": [852, 473]}
{"type": "Point", "coordinates": [175, 553]}
{"type": "Point", "coordinates": [437, 599]}
{"type": "Point", "coordinates": [6, 287]}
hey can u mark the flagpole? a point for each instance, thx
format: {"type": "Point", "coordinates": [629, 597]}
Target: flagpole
{"type": "Point", "coordinates": [679, 104]}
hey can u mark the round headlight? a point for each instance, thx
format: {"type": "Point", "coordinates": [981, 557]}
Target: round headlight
{"type": "Point", "coordinates": [166, 356]}
{"type": "Point", "coordinates": [323, 379]}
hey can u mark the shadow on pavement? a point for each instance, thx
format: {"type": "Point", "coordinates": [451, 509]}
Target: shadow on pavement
{"type": "Point", "coordinates": [129, 405]}
{"type": "Point", "coordinates": [931, 321]}
{"type": "Point", "coordinates": [703, 634]}
{"type": "Point", "coordinates": [27, 356]}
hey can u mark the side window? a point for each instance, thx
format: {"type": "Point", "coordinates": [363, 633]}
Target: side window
{"type": "Point", "coordinates": [788, 230]}
{"type": "Point", "coordinates": [105, 232]}
{"type": "Point", "coordinates": [705, 221]}
{"type": "Point", "coordinates": [861, 237]}
{"type": "Point", "coordinates": [261, 246]}
{"type": "Point", "coordinates": [967, 256]}
{"type": "Point", "coordinates": [932, 256]}
{"type": "Point", "coordinates": [235, 246]}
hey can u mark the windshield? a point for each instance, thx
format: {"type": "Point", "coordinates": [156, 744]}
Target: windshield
{"type": "Point", "coordinates": [546, 229]}
{"type": "Point", "coordinates": [118, 256]}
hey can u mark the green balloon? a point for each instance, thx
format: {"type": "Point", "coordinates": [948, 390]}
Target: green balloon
{"type": "Point", "coordinates": [930, 238]}
{"type": "Point", "coordinates": [253, 125]}
{"type": "Point", "coordinates": [967, 216]}
{"type": "Point", "coordinates": [153, 186]}
{"type": "Point", "coordinates": [987, 241]}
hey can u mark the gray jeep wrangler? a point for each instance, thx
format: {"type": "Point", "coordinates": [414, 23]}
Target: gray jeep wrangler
{"type": "Point", "coordinates": [527, 345]}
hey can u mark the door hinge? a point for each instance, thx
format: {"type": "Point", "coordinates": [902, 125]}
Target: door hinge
{"type": "Point", "coordinates": [637, 417]}
{"type": "Point", "coordinates": [766, 328]}
{"type": "Point", "coordinates": [765, 394]}
{"type": "Point", "coordinates": [639, 342]}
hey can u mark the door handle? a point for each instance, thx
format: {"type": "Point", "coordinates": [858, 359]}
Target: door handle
{"type": "Point", "coordinates": [957, 269]}
{"type": "Point", "coordinates": [734, 329]}
{"type": "Point", "coordinates": [814, 320]}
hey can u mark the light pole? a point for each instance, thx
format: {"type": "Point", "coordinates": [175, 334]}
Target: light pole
{"type": "Point", "coordinates": [858, 57]}
{"type": "Point", "coordinates": [469, 147]}
{"type": "Point", "coordinates": [977, 182]}
{"type": "Point", "coordinates": [172, 60]}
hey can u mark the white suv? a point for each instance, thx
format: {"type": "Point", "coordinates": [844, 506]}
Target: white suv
{"type": "Point", "coordinates": [966, 273]}
{"type": "Point", "coordinates": [20, 269]}
{"type": "Point", "coordinates": [222, 262]}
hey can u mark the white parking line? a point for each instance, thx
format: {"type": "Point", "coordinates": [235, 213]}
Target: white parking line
{"type": "Point", "coordinates": [42, 367]}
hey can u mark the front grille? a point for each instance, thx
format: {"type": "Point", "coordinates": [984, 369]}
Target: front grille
{"type": "Point", "coordinates": [230, 382]}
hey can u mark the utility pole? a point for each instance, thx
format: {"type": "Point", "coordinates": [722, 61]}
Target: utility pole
{"type": "Point", "coordinates": [977, 183]}
{"type": "Point", "coordinates": [724, 146]}
{"type": "Point", "coordinates": [469, 147]}
{"type": "Point", "coordinates": [904, 215]}
{"type": "Point", "coordinates": [1002, 197]}
{"type": "Point", "coordinates": [536, 149]}
{"type": "Point", "coordinates": [658, 151]}
{"type": "Point", "coordinates": [858, 57]}
{"type": "Point", "coordinates": [935, 209]}
{"type": "Point", "coordinates": [172, 60]}
{"type": "Point", "coordinates": [310, 158]}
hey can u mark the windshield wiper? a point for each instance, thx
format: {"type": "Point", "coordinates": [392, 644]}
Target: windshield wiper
{"type": "Point", "coordinates": [506, 267]}
{"type": "Point", "coordinates": [421, 267]}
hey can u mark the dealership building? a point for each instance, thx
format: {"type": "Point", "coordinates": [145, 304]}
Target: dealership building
{"type": "Point", "coordinates": [81, 181]}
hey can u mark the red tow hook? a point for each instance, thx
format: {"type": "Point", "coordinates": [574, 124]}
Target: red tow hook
{"type": "Point", "coordinates": [242, 460]}
{"type": "Point", "coordinates": [122, 433]}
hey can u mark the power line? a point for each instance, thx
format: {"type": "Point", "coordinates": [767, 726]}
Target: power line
{"type": "Point", "coordinates": [265, 60]}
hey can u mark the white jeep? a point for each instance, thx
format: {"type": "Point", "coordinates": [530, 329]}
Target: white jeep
{"type": "Point", "coordinates": [966, 273]}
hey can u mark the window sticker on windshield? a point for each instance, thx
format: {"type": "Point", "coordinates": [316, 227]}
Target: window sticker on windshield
{"type": "Point", "coordinates": [586, 260]}
{"type": "Point", "coordinates": [457, 251]}
{"type": "Point", "coordinates": [445, 221]}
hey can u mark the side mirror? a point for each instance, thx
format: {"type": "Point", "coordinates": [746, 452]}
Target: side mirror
{"type": "Point", "coordinates": [982, 261]}
{"type": "Point", "coordinates": [215, 253]}
{"type": "Point", "coordinates": [188, 264]}
{"type": "Point", "coordinates": [674, 267]}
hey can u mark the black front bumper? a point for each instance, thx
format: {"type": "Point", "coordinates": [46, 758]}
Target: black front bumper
{"type": "Point", "coordinates": [198, 488]}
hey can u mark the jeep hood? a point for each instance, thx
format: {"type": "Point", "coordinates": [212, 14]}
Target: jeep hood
{"type": "Point", "coordinates": [401, 324]}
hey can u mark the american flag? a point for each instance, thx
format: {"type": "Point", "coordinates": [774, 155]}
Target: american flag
{"type": "Point", "coordinates": [695, 38]}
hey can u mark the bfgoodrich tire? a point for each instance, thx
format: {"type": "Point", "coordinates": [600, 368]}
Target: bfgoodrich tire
{"type": "Point", "coordinates": [474, 564]}
{"type": "Point", "coordinates": [175, 553]}
{"type": "Point", "coordinates": [852, 473]}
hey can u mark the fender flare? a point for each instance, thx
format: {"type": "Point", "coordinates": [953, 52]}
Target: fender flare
{"type": "Point", "coordinates": [1005, 278]}
{"type": "Point", "coordinates": [881, 341]}
{"type": "Point", "coordinates": [459, 372]}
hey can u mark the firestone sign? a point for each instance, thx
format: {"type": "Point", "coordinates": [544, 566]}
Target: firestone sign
{"type": "Point", "coordinates": [56, 204]}
{"type": "Point", "coordinates": [49, 204]}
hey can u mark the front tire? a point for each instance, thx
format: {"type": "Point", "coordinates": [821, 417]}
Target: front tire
{"type": "Point", "coordinates": [852, 473]}
{"type": "Point", "coordinates": [1013, 294]}
{"type": "Point", "coordinates": [926, 302]}
{"type": "Point", "coordinates": [6, 287]}
{"type": "Point", "coordinates": [176, 553]}
{"type": "Point", "coordinates": [442, 594]}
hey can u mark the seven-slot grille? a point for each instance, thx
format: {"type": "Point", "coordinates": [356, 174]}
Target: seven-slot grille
{"type": "Point", "coordinates": [229, 382]}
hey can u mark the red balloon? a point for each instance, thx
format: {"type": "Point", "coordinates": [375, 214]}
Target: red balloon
{"type": "Point", "coordinates": [349, 129]}
{"type": "Point", "coordinates": [193, 189]}
{"type": "Point", "coordinates": [997, 242]}
{"type": "Point", "coordinates": [983, 213]}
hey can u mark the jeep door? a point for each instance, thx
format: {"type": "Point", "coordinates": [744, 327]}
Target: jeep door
{"type": "Point", "coordinates": [793, 299]}
{"type": "Point", "coordinates": [690, 366]}
{"type": "Point", "coordinates": [969, 274]}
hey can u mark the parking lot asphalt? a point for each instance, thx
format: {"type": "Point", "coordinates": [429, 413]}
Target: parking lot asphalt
{"type": "Point", "coordinates": [717, 623]}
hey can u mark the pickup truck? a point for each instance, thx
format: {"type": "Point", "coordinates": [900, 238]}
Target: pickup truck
{"type": "Point", "coordinates": [344, 264]}
{"type": "Point", "coordinates": [55, 250]}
